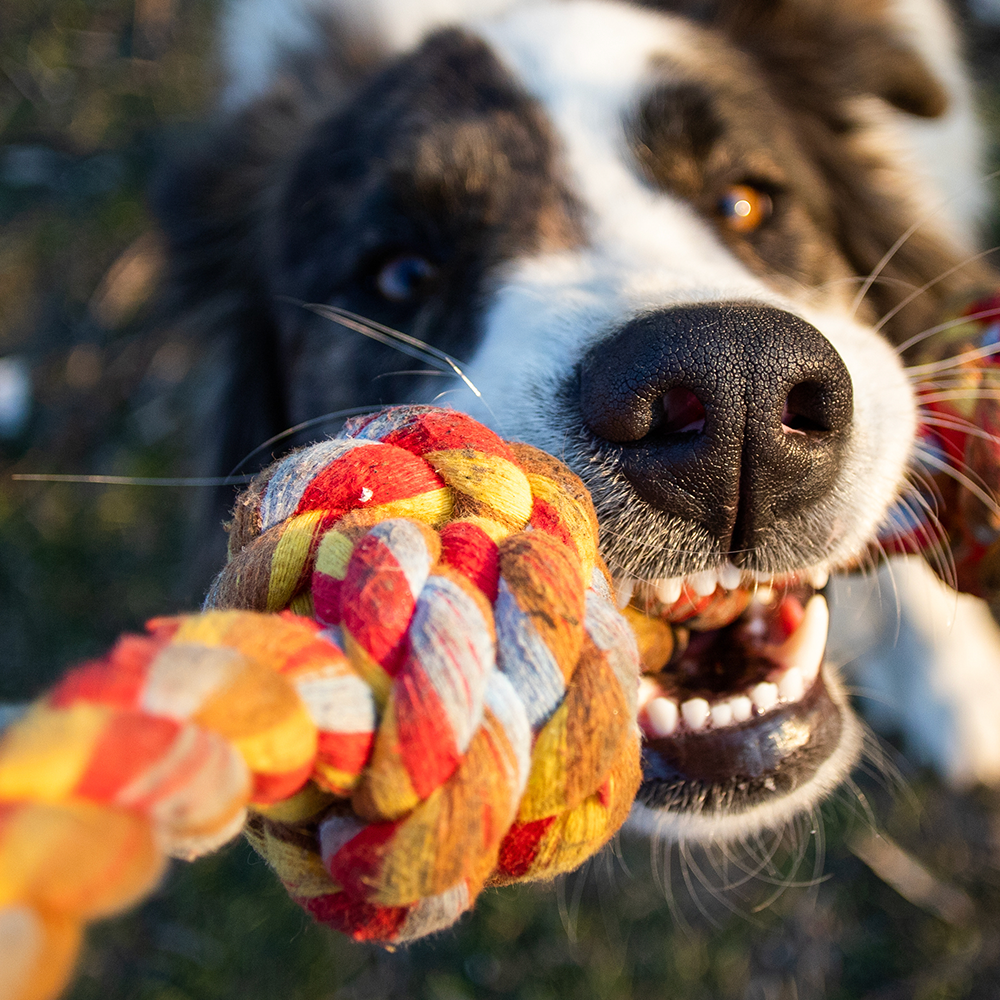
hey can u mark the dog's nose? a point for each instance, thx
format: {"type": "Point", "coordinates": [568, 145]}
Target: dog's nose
{"type": "Point", "coordinates": [733, 416]}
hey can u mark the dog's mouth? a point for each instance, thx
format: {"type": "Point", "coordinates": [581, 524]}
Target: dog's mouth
{"type": "Point", "coordinates": [733, 704]}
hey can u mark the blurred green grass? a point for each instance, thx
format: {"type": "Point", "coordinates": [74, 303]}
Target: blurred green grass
{"type": "Point", "coordinates": [88, 90]}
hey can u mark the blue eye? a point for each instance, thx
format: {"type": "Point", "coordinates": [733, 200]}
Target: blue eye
{"type": "Point", "coordinates": [406, 278]}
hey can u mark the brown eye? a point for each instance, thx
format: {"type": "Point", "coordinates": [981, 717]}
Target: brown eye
{"type": "Point", "coordinates": [744, 209]}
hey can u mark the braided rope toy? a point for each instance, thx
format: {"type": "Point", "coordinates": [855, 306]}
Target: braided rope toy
{"type": "Point", "coordinates": [449, 703]}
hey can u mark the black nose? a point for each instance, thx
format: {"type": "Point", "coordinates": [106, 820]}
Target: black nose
{"type": "Point", "coordinates": [733, 416]}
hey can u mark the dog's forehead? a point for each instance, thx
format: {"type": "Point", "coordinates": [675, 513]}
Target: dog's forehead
{"type": "Point", "coordinates": [591, 58]}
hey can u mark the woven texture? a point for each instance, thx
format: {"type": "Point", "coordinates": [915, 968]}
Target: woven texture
{"type": "Point", "coordinates": [460, 575]}
{"type": "Point", "coordinates": [451, 706]}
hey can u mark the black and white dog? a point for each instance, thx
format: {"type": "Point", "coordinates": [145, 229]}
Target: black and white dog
{"type": "Point", "coordinates": [644, 230]}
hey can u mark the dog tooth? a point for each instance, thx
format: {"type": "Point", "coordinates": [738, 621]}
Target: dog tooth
{"type": "Point", "coordinates": [765, 595]}
{"type": "Point", "coordinates": [804, 648]}
{"type": "Point", "coordinates": [764, 696]}
{"type": "Point", "coordinates": [819, 578]}
{"type": "Point", "coordinates": [696, 713]}
{"type": "Point", "coordinates": [648, 690]}
{"type": "Point", "coordinates": [662, 715]}
{"type": "Point", "coordinates": [722, 714]}
{"type": "Point", "coordinates": [742, 708]}
{"type": "Point", "coordinates": [792, 686]}
{"type": "Point", "coordinates": [623, 591]}
{"type": "Point", "coordinates": [704, 583]}
{"type": "Point", "coordinates": [730, 576]}
{"type": "Point", "coordinates": [668, 591]}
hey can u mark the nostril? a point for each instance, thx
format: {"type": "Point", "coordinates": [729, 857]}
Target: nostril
{"type": "Point", "coordinates": [807, 410]}
{"type": "Point", "coordinates": [683, 412]}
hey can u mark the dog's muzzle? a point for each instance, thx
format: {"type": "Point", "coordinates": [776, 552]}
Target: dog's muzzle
{"type": "Point", "coordinates": [732, 420]}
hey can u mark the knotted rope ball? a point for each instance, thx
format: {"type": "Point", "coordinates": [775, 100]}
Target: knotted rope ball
{"type": "Point", "coordinates": [486, 730]}
{"type": "Point", "coordinates": [445, 701]}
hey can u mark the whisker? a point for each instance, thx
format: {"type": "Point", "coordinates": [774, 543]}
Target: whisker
{"type": "Point", "coordinates": [44, 477]}
{"type": "Point", "coordinates": [930, 284]}
{"type": "Point", "coordinates": [959, 425]}
{"type": "Point", "coordinates": [945, 394]}
{"type": "Point", "coordinates": [949, 380]}
{"type": "Point", "coordinates": [938, 554]}
{"type": "Point", "coordinates": [960, 477]}
{"type": "Point", "coordinates": [895, 587]}
{"type": "Point", "coordinates": [857, 279]}
{"type": "Point", "coordinates": [891, 252]}
{"type": "Point", "coordinates": [941, 327]}
{"type": "Point", "coordinates": [351, 411]}
{"type": "Point", "coordinates": [403, 342]}
{"type": "Point", "coordinates": [955, 360]}
{"type": "Point", "coordinates": [416, 371]}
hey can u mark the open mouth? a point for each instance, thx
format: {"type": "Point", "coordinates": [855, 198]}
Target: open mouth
{"type": "Point", "coordinates": [734, 706]}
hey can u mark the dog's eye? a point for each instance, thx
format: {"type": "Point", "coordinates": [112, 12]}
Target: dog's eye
{"type": "Point", "coordinates": [407, 278]}
{"type": "Point", "coordinates": [744, 209]}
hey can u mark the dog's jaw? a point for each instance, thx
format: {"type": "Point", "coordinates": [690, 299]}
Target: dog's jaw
{"type": "Point", "coordinates": [714, 825]}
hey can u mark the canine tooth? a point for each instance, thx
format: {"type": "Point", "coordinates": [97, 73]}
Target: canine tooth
{"type": "Point", "coordinates": [703, 583]}
{"type": "Point", "coordinates": [764, 696]}
{"type": "Point", "coordinates": [765, 594]}
{"type": "Point", "coordinates": [668, 591]}
{"type": "Point", "coordinates": [792, 686]}
{"type": "Point", "coordinates": [819, 578]}
{"type": "Point", "coordinates": [662, 715]}
{"type": "Point", "coordinates": [696, 713]}
{"type": "Point", "coordinates": [730, 576]}
{"type": "Point", "coordinates": [742, 708]}
{"type": "Point", "coordinates": [722, 714]}
{"type": "Point", "coordinates": [804, 648]}
{"type": "Point", "coordinates": [624, 589]}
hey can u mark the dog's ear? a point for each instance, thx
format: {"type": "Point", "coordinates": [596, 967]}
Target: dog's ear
{"type": "Point", "coordinates": [212, 203]}
{"type": "Point", "coordinates": [849, 47]}
{"type": "Point", "coordinates": [856, 44]}
{"type": "Point", "coordinates": [823, 61]}
{"type": "Point", "coordinates": [893, 71]}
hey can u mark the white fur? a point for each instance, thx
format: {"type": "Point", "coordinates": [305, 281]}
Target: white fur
{"type": "Point", "coordinates": [929, 666]}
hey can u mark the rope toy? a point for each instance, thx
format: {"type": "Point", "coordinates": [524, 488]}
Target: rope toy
{"type": "Point", "coordinates": [955, 520]}
{"type": "Point", "coordinates": [449, 703]}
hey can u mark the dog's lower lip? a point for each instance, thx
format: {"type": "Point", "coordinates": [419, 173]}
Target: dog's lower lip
{"type": "Point", "coordinates": [772, 754]}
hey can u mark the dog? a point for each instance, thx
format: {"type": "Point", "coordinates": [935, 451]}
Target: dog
{"type": "Point", "coordinates": [673, 244]}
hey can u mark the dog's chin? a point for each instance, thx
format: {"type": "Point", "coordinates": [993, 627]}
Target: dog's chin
{"type": "Point", "coordinates": [744, 727]}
